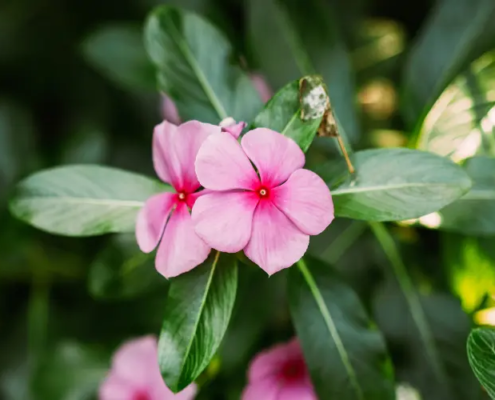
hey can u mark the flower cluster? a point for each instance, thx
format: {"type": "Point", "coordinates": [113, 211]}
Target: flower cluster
{"type": "Point", "coordinates": [252, 195]}
{"type": "Point", "coordinates": [279, 373]}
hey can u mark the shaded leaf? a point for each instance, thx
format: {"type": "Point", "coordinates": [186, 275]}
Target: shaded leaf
{"type": "Point", "coordinates": [297, 32]}
{"type": "Point", "coordinates": [481, 353]}
{"type": "Point", "coordinates": [122, 270]}
{"type": "Point", "coordinates": [346, 356]}
{"type": "Point", "coordinates": [197, 312]}
{"type": "Point", "coordinates": [117, 52]}
{"type": "Point", "coordinates": [284, 112]}
{"type": "Point", "coordinates": [395, 184]}
{"type": "Point", "coordinates": [83, 200]}
{"type": "Point", "coordinates": [457, 31]}
{"type": "Point", "coordinates": [194, 68]}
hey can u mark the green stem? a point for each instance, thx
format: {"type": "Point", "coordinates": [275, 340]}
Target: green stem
{"type": "Point", "coordinates": [38, 310]}
{"type": "Point", "coordinates": [341, 244]}
{"type": "Point", "coordinates": [405, 282]}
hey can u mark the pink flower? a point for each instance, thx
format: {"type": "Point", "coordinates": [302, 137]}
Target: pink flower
{"type": "Point", "coordinates": [165, 217]}
{"type": "Point", "coordinates": [135, 375]}
{"type": "Point", "coordinates": [270, 216]}
{"type": "Point", "coordinates": [261, 86]}
{"type": "Point", "coordinates": [279, 373]}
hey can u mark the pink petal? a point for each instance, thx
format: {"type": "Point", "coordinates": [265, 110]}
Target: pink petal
{"type": "Point", "coordinates": [268, 362]}
{"type": "Point", "coordinates": [152, 219]}
{"type": "Point", "coordinates": [275, 156]}
{"type": "Point", "coordinates": [114, 388]}
{"type": "Point", "coordinates": [306, 200]}
{"type": "Point", "coordinates": [224, 219]}
{"type": "Point", "coordinates": [301, 390]}
{"type": "Point", "coordinates": [169, 111]}
{"type": "Point", "coordinates": [233, 128]}
{"type": "Point", "coordinates": [136, 361]}
{"type": "Point", "coordinates": [181, 249]}
{"type": "Point", "coordinates": [222, 165]}
{"type": "Point", "coordinates": [267, 389]}
{"type": "Point", "coordinates": [262, 87]}
{"type": "Point", "coordinates": [276, 243]}
{"type": "Point", "coordinates": [162, 392]}
{"type": "Point", "coordinates": [175, 149]}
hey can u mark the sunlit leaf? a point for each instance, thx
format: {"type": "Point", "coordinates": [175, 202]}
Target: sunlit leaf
{"type": "Point", "coordinates": [481, 352]}
{"type": "Point", "coordinates": [346, 356]}
{"type": "Point", "coordinates": [197, 312]}
{"type": "Point", "coordinates": [456, 32]}
{"type": "Point", "coordinates": [194, 68]}
{"type": "Point", "coordinates": [83, 200]}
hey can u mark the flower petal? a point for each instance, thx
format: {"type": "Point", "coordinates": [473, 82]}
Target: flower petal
{"type": "Point", "coordinates": [169, 110]}
{"type": "Point", "coordinates": [222, 165]}
{"type": "Point", "coordinates": [262, 87]}
{"type": "Point", "coordinates": [114, 388]}
{"type": "Point", "coordinates": [276, 157]}
{"type": "Point", "coordinates": [181, 249]}
{"type": "Point", "coordinates": [151, 220]}
{"type": "Point", "coordinates": [300, 390]}
{"type": "Point", "coordinates": [230, 126]}
{"type": "Point", "coordinates": [162, 392]}
{"type": "Point", "coordinates": [276, 243]}
{"type": "Point", "coordinates": [306, 200]}
{"type": "Point", "coordinates": [224, 219]}
{"type": "Point", "coordinates": [136, 361]}
{"type": "Point", "coordinates": [175, 149]}
{"type": "Point", "coordinates": [267, 389]}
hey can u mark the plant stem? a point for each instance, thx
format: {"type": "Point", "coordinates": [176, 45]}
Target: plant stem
{"type": "Point", "coordinates": [341, 244]}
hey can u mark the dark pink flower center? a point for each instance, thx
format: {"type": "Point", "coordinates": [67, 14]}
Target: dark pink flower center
{"type": "Point", "coordinates": [293, 370]}
{"type": "Point", "coordinates": [141, 395]}
{"type": "Point", "coordinates": [182, 196]}
{"type": "Point", "coordinates": [263, 192]}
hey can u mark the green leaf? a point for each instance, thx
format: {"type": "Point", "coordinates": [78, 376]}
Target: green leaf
{"type": "Point", "coordinates": [122, 270]}
{"type": "Point", "coordinates": [117, 52]}
{"type": "Point", "coordinates": [460, 123]}
{"type": "Point", "coordinates": [474, 213]}
{"type": "Point", "coordinates": [194, 68]}
{"type": "Point", "coordinates": [456, 33]}
{"type": "Point", "coordinates": [197, 313]}
{"type": "Point", "coordinates": [449, 328]}
{"type": "Point", "coordinates": [345, 354]}
{"type": "Point", "coordinates": [481, 353]}
{"type": "Point", "coordinates": [293, 115]}
{"type": "Point", "coordinates": [297, 32]}
{"type": "Point", "coordinates": [83, 200]}
{"type": "Point", "coordinates": [70, 372]}
{"type": "Point", "coordinates": [397, 184]}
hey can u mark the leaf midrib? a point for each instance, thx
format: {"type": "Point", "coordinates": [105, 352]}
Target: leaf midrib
{"type": "Point", "coordinates": [320, 302]}
{"type": "Point", "coordinates": [359, 189]}
{"type": "Point", "coordinates": [84, 200]}
{"type": "Point", "coordinates": [200, 313]}
{"type": "Point", "coordinates": [203, 81]}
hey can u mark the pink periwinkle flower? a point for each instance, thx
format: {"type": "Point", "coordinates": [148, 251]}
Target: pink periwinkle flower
{"type": "Point", "coordinates": [135, 375]}
{"type": "Point", "coordinates": [165, 220]}
{"type": "Point", "coordinates": [279, 373]}
{"type": "Point", "coordinates": [271, 215]}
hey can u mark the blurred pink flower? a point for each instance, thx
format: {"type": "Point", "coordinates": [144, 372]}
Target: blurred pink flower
{"type": "Point", "coordinates": [270, 216]}
{"type": "Point", "coordinates": [279, 373]}
{"type": "Point", "coordinates": [135, 375]}
{"type": "Point", "coordinates": [165, 217]}
{"type": "Point", "coordinates": [171, 114]}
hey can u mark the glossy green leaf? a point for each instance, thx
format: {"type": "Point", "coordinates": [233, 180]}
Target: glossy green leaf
{"type": "Point", "coordinates": [461, 122]}
{"type": "Point", "coordinates": [456, 32]}
{"type": "Point", "coordinates": [70, 372]}
{"type": "Point", "coordinates": [474, 213]}
{"type": "Point", "coordinates": [346, 355]}
{"type": "Point", "coordinates": [122, 270]}
{"type": "Point", "coordinates": [195, 69]}
{"type": "Point", "coordinates": [396, 184]}
{"type": "Point", "coordinates": [83, 200]}
{"type": "Point", "coordinates": [197, 312]}
{"type": "Point", "coordinates": [481, 353]}
{"type": "Point", "coordinates": [470, 263]}
{"type": "Point", "coordinates": [297, 32]}
{"type": "Point", "coordinates": [294, 114]}
{"type": "Point", "coordinates": [448, 327]}
{"type": "Point", "coordinates": [117, 52]}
